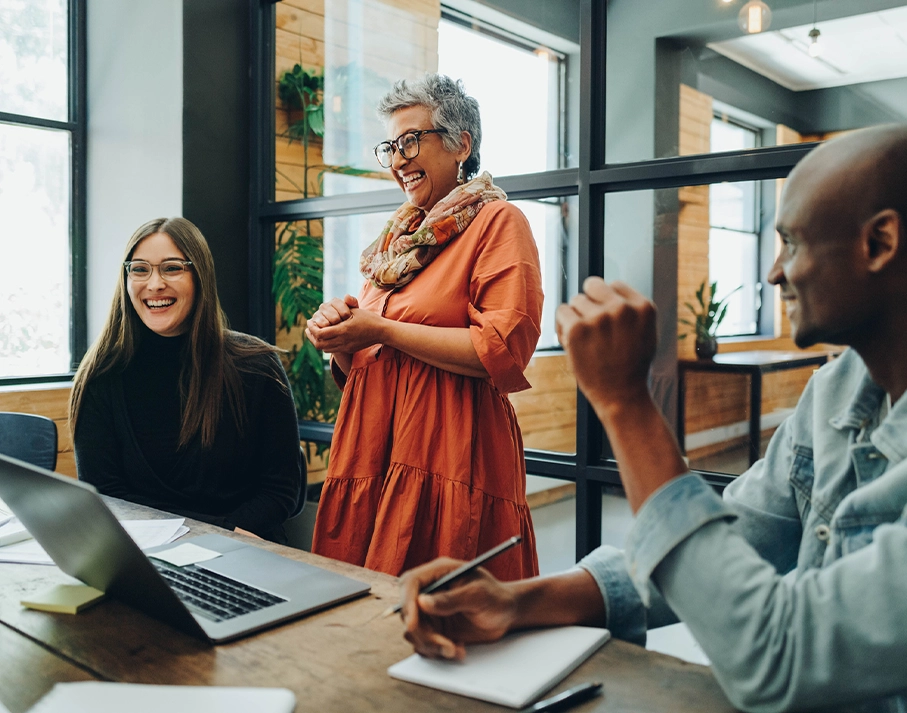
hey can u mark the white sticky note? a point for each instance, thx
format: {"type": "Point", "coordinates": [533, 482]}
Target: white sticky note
{"type": "Point", "coordinates": [184, 554]}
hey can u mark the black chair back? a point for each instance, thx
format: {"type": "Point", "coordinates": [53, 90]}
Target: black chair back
{"type": "Point", "coordinates": [30, 438]}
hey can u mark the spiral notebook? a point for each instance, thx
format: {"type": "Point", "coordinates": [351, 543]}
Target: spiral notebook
{"type": "Point", "coordinates": [512, 672]}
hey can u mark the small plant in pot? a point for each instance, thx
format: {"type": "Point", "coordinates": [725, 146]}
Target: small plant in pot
{"type": "Point", "coordinates": [707, 316]}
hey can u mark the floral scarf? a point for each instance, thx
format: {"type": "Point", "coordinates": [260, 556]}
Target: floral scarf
{"type": "Point", "coordinates": [411, 239]}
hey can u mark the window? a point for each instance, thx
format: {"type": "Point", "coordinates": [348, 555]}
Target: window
{"type": "Point", "coordinates": [532, 141]}
{"type": "Point", "coordinates": [734, 210]}
{"type": "Point", "coordinates": [41, 140]}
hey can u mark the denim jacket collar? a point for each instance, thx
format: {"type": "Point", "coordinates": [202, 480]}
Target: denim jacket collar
{"type": "Point", "coordinates": [888, 437]}
{"type": "Point", "coordinates": [862, 407]}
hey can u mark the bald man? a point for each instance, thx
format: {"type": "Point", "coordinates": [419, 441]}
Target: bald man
{"type": "Point", "coordinates": [795, 584]}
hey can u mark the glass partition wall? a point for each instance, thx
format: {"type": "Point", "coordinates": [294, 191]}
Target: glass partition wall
{"type": "Point", "coordinates": [645, 144]}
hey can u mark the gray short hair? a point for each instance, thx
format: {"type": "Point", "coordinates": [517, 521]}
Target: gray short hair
{"type": "Point", "coordinates": [451, 108]}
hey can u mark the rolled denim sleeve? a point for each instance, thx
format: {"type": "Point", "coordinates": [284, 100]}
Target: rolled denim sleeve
{"type": "Point", "coordinates": [670, 515]}
{"type": "Point", "coordinates": [625, 615]}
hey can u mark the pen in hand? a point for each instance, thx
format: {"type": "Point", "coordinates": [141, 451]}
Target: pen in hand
{"type": "Point", "coordinates": [460, 571]}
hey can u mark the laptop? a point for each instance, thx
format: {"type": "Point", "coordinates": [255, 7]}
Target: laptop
{"type": "Point", "coordinates": [243, 590]}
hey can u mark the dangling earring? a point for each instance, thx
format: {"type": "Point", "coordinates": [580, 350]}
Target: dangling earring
{"type": "Point", "coordinates": [460, 178]}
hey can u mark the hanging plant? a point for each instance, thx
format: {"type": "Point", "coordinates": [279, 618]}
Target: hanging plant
{"type": "Point", "coordinates": [297, 282]}
{"type": "Point", "coordinates": [302, 91]}
{"type": "Point", "coordinates": [298, 279]}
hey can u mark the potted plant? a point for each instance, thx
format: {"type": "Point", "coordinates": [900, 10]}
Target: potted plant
{"type": "Point", "coordinates": [707, 316]}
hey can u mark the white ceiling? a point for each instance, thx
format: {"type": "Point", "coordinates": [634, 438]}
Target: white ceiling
{"type": "Point", "coordinates": [861, 48]}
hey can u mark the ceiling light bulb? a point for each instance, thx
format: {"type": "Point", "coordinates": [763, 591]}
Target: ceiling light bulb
{"type": "Point", "coordinates": [815, 49]}
{"type": "Point", "coordinates": [754, 17]}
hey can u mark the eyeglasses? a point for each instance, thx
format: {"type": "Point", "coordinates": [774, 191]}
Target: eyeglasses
{"type": "Point", "coordinates": [140, 270]}
{"type": "Point", "coordinates": [407, 144]}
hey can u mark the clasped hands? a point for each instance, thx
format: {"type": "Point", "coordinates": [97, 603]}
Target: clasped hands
{"type": "Point", "coordinates": [340, 326]}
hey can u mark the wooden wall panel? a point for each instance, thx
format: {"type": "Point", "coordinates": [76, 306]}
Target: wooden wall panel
{"type": "Point", "coordinates": [315, 7]}
{"type": "Point", "coordinates": [53, 402]}
{"type": "Point", "coordinates": [727, 396]}
{"type": "Point", "coordinates": [547, 412]}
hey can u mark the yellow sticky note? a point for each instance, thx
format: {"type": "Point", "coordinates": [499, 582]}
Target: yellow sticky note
{"type": "Point", "coordinates": [64, 598]}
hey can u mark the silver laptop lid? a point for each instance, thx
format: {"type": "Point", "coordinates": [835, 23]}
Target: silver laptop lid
{"type": "Point", "coordinates": [74, 526]}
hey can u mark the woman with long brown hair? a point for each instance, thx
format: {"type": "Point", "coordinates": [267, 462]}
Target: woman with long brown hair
{"type": "Point", "coordinates": [173, 410]}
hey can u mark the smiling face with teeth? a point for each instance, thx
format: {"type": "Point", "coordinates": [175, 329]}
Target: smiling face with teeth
{"type": "Point", "coordinates": [163, 305]}
{"type": "Point", "coordinates": [432, 174]}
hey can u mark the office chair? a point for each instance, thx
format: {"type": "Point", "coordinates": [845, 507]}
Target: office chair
{"type": "Point", "coordinates": [30, 438]}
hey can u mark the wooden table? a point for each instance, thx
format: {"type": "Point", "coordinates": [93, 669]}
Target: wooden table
{"type": "Point", "coordinates": [335, 660]}
{"type": "Point", "coordinates": [755, 364]}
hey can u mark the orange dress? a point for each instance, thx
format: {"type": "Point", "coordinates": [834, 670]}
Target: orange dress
{"type": "Point", "coordinates": [424, 462]}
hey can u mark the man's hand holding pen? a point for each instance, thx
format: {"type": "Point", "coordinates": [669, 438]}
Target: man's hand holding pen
{"type": "Point", "coordinates": [475, 608]}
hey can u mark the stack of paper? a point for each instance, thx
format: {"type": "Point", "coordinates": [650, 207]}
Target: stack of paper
{"type": "Point", "coordinates": [5, 513]}
{"type": "Point", "coordinates": [12, 531]}
{"type": "Point", "coordinates": [146, 533]}
{"type": "Point", "coordinates": [98, 697]}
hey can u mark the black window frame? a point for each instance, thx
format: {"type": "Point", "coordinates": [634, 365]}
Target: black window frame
{"type": "Point", "coordinates": [76, 125]}
{"type": "Point", "coordinates": [592, 468]}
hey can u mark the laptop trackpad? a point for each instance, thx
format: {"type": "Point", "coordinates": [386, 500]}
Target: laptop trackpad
{"type": "Point", "coordinates": [260, 568]}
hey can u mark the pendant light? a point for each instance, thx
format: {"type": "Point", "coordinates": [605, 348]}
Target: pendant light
{"type": "Point", "coordinates": [754, 17]}
{"type": "Point", "coordinates": [815, 49]}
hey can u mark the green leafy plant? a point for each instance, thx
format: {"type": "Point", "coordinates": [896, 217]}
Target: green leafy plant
{"type": "Point", "coordinates": [709, 314]}
{"type": "Point", "coordinates": [297, 283]}
{"type": "Point", "coordinates": [301, 93]}
{"type": "Point", "coordinates": [297, 289]}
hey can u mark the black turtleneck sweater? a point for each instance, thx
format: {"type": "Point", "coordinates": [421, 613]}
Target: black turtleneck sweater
{"type": "Point", "coordinates": [128, 432]}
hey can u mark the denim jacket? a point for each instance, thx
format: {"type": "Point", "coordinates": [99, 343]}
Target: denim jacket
{"type": "Point", "coordinates": [795, 585]}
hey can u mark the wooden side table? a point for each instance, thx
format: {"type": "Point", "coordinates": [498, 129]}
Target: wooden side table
{"type": "Point", "coordinates": [753, 363]}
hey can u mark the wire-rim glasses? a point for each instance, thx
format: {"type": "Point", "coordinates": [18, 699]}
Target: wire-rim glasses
{"type": "Point", "coordinates": [407, 144]}
{"type": "Point", "coordinates": [140, 270]}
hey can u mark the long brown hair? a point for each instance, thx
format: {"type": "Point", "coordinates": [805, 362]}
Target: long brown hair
{"type": "Point", "coordinates": [216, 355]}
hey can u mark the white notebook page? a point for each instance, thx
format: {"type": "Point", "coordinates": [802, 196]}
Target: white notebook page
{"type": "Point", "coordinates": [511, 672]}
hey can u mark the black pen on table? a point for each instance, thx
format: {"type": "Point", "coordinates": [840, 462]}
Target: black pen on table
{"type": "Point", "coordinates": [460, 571]}
{"type": "Point", "coordinates": [565, 700]}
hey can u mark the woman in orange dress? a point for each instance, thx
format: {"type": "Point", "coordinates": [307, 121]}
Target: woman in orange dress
{"type": "Point", "coordinates": [427, 456]}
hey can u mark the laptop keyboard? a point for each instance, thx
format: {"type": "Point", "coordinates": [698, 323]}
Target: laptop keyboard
{"type": "Point", "coordinates": [212, 595]}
